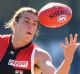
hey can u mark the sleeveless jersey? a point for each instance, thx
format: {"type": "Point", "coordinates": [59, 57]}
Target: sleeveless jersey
{"type": "Point", "coordinates": [15, 61]}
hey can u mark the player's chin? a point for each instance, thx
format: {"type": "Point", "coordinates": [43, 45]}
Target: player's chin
{"type": "Point", "coordinates": [28, 38]}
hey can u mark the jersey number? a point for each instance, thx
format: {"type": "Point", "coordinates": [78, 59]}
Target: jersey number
{"type": "Point", "coordinates": [18, 72]}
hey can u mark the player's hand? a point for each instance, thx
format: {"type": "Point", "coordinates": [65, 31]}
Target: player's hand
{"type": "Point", "coordinates": [70, 47]}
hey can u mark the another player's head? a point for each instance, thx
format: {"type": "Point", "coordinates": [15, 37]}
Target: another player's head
{"type": "Point", "coordinates": [24, 23]}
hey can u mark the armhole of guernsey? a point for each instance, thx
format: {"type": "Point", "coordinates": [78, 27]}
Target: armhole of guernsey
{"type": "Point", "coordinates": [32, 59]}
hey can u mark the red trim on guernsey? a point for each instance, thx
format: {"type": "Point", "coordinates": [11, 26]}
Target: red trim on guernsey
{"type": "Point", "coordinates": [4, 41]}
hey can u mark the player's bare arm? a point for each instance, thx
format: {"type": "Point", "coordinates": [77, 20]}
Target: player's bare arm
{"type": "Point", "coordinates": [69, 50]}
{"type": "Point", "coordinates": [44, 61]}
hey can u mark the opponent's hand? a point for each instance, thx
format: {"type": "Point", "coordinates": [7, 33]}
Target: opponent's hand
{"type": "Point", "coordinates": [70, 47]}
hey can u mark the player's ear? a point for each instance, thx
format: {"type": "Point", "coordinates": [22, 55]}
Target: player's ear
{"type": "Point", "coordinates": [14, 24]}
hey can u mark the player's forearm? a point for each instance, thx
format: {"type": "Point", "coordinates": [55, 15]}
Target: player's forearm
{"type": "Point", "coordinates": [64, 68]}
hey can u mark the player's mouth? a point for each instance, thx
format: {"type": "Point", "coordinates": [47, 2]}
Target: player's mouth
{"type": "Point", "coordinates": [29, 33]}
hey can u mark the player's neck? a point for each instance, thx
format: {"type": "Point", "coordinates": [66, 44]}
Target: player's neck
{"type": "Point", "coordinates": [17, 43]}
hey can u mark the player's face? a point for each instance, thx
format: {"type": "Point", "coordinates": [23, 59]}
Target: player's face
{"type": "Point", "coordinates": [26, 27]}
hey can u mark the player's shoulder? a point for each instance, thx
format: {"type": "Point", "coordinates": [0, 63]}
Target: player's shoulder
{"type": "Point", "coordinates": [4, 38]}
{"type": "Point", "coordinates": [5, 35]}
{"type": "Point", "coordinates": [42, 53]}
{"type": "Point", "coordinates": [40, 50]}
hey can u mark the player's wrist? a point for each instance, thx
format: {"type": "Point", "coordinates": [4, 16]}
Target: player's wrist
{"type": "Point", "coordinates": [68, 61]}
